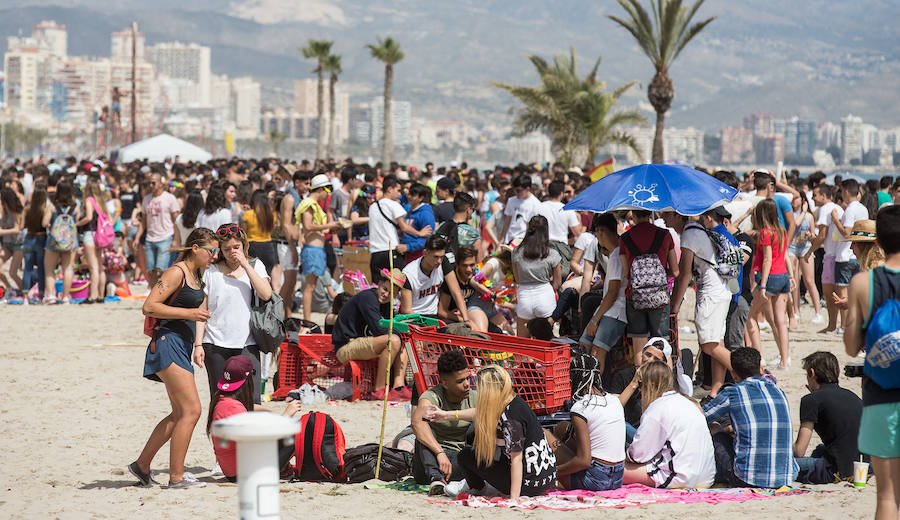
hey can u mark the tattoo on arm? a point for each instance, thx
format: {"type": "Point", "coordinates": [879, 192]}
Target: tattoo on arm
{"type": "Point", "coordinates": [161, 286]}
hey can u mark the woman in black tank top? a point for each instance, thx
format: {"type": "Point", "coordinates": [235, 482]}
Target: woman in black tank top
{"type": "Point", "coordinates": [176, 301]}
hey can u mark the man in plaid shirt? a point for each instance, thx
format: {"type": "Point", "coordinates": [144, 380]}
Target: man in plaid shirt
{"type": "Point", "coordinates": [760, 454]}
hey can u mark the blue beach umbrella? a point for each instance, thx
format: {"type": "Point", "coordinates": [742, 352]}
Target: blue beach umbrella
{"type": "Point", "coordinates": [654, 187]}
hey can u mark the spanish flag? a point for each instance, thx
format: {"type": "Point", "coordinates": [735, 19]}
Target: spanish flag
{"type": "Point", "coordinates": [602, 170]}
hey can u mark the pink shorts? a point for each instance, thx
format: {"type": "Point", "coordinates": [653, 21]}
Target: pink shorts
{"type": "Point", "coordinates": [828, 270]}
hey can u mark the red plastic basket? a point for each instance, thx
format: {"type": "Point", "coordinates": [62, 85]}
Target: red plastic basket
{"type": "Point", "coordinates": [312, 361]}
{"type": "Point", "coordinates": [539, 369]}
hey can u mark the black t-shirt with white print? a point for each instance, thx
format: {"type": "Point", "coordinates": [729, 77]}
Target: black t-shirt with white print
{"type": "Point", "coordinates": [521, 432]}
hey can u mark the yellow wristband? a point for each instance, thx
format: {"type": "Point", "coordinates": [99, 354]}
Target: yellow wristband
{"type": "Point", "coordinates": [457, 415]}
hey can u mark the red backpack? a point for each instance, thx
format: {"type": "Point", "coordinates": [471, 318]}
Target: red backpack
{"type": "Point", "coordinates": [319, 449]}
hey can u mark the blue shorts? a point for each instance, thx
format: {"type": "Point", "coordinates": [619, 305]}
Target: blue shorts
{"type": "Point", "coordinates": [313, 260]}
{"type": "Point", "coordinates": [598, 477]}
{"type": "Point", "coordinates": [844, 271]}
{"type": "Point", "coordinates": [776, 284]}
{"type": "Point", "coordinates": [879, 430]}
{"type": "Point", "coordinates": [170, 348]}
{"type": "Point", "coordinates": [609, 332]}
{"type": "Point", "coordinates": [798, 249]}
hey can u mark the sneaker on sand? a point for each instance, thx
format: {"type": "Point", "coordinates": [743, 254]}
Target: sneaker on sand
{"type": "Point", "coordinates": [436, 488]}
{"type": "Point", "coordinates": [145, 479]}
{"type": "Point", "coordinates": [764, 325]}
{"type": "Point", "coordinates": [217, 470]}
{"type": "Point", "coordinates": [817, 319]}
{"type": "Point", "coordinates": [186, 483]}
{"type": "Point", "coordinates": [453, 489]}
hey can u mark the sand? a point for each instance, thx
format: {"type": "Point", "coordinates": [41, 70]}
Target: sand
{"type": "Point", "coordinates": [76, 411]}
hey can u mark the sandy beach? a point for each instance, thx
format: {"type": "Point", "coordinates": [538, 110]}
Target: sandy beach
{"type": "Point", "coordinates": [76, 411]}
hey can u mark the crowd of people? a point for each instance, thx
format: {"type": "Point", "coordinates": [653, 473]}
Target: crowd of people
{"type": "Point", "coordinates": [494, 250]}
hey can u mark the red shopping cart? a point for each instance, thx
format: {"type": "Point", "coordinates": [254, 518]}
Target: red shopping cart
{"type": "Point", "coordinates": [309, 358]}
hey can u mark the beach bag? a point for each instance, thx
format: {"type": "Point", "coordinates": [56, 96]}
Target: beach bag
{"type": "Point", "coordinates": [319, 449]}
{"type": "Point", "coordinates": [267, 322]}
{"type": "Point", "coordinates": [360, 462]}
{"type": "Point", "coordinates": [649, 282]}
{"type": "Point", "coordinates": [882, 363]}
{"type": "Point", "coordinates": [114, 262]}
{"type": "Point", "coordinates": [105, 232]}
{"type": "Point", "coordinates": [729, 257]}
{"type": "Point", "coordinates": [63, 234]}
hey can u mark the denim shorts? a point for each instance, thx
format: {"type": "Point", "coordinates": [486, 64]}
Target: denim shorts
{"type": "Point", "coordinates": [844, 271]}
{"type": "Point", "coordinates": [87, 238]}
{"type": "Point", "coordinates": [598, 477]}
{"type": "Point", "coordinates": [609, 332]}
{"type": "Point", "coordinates": [776, 284]}
{"type": "Point", "coordinates": [798, 249]}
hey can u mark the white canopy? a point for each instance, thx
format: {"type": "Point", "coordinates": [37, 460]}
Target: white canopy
{"type": "Point", "coordinates": [159, 147]}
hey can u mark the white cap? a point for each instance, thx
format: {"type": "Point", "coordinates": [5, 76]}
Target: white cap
{"type": "Point", "coordinates": [666, 348]}
{"type": "Point", "coordinates": [320, 181]}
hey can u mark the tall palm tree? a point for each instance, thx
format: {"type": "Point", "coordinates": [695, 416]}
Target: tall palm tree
{"type": "Point", "coordinates": [575, 112]}
{"type": "Point", "coordinates": [662, 38]}
{"type": "Point", "coordinates": [276, 138]}
{"type": "Point", "coordinates": [332, 65]}
{"type": "Point", "coordinates": [387, 51]}
{"type": "Point", "coordinates": [319, 50]}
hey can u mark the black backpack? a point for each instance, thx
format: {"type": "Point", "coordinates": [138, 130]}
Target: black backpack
{"type": "Point", "coordinates": [319, 449]}
{"type": "Point", "coordinates": [360, 463]}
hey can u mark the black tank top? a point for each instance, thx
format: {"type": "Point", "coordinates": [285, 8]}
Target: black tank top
{"type": "Point", "coordinates": [884, 285]}
{"type": "Point", "coordinates": [187, 298]}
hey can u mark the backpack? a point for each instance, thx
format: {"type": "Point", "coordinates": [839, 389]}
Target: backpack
{"type": "Point", "coordinates": [361, 461]}
{"type": "Point", "coordinates": [450, 231]}
{"type": "Point", "coordinates": [63, 234]}
{"type": "Point", "coordinates": [319, 449]}
{"type": "Point", "coordinates": [728, 259]}
{"type": "Point", "coordinates": [105, 233]}
{"type": "Point", "coordinates": [882, 363]}
{"type": "Point", "coordinates": [649, 282]}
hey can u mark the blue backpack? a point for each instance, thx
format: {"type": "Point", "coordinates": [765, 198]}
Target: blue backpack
{"type": "Point", "coordinates": [883, 340]}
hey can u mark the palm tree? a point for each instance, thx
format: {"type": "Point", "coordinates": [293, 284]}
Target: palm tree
{"type": "Point", "coordinates": [662, 39]}
{"type": "Point", "coordinates": [276, 138]}
{"type": "Point", "coordinates": [575, 112]}
{"type": "Point", "coordinates": [332, 65]}
{"type": "Point", "coordinates": [319, 50]}
{"type": "Point", "coordinates": [387, 51]}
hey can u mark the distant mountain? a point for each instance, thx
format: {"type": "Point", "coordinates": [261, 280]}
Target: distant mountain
{"type": "Point", "coordinates": [817, 59]}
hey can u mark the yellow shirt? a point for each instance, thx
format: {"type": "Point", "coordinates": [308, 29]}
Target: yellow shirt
{"type": "Point", "coordinates": [254, 232]}
{"type": "Point", "coordinates": [319, 216]}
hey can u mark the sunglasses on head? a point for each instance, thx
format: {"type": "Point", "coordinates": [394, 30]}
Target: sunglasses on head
{"type": "Point", "coordinates": [225, 230]}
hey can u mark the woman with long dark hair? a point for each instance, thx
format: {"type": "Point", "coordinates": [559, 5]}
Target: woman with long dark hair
{"type": "Point", "coordinates": [216, 212]}
{"type": "Point", "coordinates": [35, 239]}
{"type": "Point", "coordinates": [12, 223]}
{"type": "Point", "coordinates": [259, 222]}
{"type": "Point", "coordinates": [187, 219]}
{"type": "Point", "coordinates": [55, 253]}
{"type": "Point", "coordinates": [536, 268]}
{"type": "Point", "coordinates": [177, 301]}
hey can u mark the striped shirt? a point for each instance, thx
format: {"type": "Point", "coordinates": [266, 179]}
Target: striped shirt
{"type": "Point", "coordinates": [763, 445]}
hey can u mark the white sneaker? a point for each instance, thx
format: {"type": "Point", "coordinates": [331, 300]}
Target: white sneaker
{"type": "Point", "coordinates": [817, 319]}
{"type": "Point", "coordinates": [454, 488]}
{"type": "Point", "coordinates": [764, 325]}
{"type": "Point", "coordinates": [217, 471]}
{"type": "Point", "coordinates": [838, 331]}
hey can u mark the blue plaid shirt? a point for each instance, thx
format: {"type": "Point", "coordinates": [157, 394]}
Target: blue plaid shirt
{"type": "Point", "coordinates": [763, 445]}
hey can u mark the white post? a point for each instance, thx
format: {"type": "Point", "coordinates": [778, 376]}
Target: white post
{"type": "Point", "coordinates": [256, 434]}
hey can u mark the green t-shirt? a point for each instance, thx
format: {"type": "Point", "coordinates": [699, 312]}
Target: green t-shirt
{"type": "Point", "coordinates": [883, 198]}
{"type": "Point", "coordinates": [451, 435]}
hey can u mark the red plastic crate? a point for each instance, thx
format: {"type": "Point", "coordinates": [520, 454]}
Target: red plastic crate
{"type": "Point", "coordinates": [312, 361]}
{"type": "Point", "coordinates": [539, 369]}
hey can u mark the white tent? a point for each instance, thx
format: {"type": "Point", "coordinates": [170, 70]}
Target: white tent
{"type": "Point", "coordinates": [159, 147]}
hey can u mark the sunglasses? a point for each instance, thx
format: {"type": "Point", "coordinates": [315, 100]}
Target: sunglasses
{"type": "Point", "coordinates": [213, 251]}
{"type": "Point", "coordinates": [225, 230]}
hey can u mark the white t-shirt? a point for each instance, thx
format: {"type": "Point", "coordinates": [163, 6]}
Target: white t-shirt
{"type": "Point", "coordinates": [614, 272]}
{"type": "Point", "coordinates": [709, 284]}
{"type": "Point", "coordinates": [184, 231]}
{"type": "Point", "coordinates": [738, 208]}
{"type": "Point", "coordinates": [228, 299]}
{"type": "Point", "coordinates": [832, 235]}
{"type": "Point", "coordinates": [584, 242]}
{"type": "Point", "coordinates": [425, 287]}
{"type": "Point", "coordinates": [520, 212]}
{"type": "Point", "coordinates": [592, 254]}
{"type": "Point", "coordinates": [219, 217]}
{"type": "Point", "coordinates": [605, 420]}
{"type": "Point", "coordinates": [855, 211]}
{"type": "Point", "coordinates": [559, 220]}
{"type": "Point", "coordinates": [383, 233]}
{"type": "Point", "coordinates": [687, 456]}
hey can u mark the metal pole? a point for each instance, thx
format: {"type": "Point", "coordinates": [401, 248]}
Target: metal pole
{"type": "Point", "coordinates": [134, 28]}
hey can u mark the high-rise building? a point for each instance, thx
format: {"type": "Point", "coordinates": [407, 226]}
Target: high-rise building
{"type": "Point", "coordinates": [760, 123]}
{"type": "Point", "coordinates": [306, 105]}
{"type": "Point", "coordinates": [769, 149]}
{"type": "Point", "coordinates": [401, 115]}
{"type": "Point", "coordinates": [55, 35]}
{"type": "Point", "coordinates": [28, 71]}
{"type": "Point", "coordinates": [851, 139]}
{"type": "Point", "coordinates": [737, 146]}
{"type": "Point", "coordinates": [361, 124]}
{"type": "Point", "coordinates": [247, 106]}
{"type": "Point", "coordinates": [189, 62]}
{"type": "Point", "coordinates": [121, 44]}
{"type": "Point", "coordinates": [799, 136]}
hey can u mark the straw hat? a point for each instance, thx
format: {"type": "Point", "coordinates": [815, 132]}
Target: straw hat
{"type": "Point", "coordinates": [395, 275]}
{"type": "Point", "coordinates": [863, 231]}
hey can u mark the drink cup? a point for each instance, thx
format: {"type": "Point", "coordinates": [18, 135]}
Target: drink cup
{"type": "Point", "coordinates": [860, 473]}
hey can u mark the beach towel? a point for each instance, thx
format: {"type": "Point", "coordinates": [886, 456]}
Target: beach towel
{"type": "Point", "coordinates": [627, 496]}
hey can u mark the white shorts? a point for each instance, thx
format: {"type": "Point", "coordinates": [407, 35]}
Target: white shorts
{"type": "Point", "coordinates": [284, 257]}
{"type": "Point", "coordinates": [710, 318]}
{"type": "Point", "coordinates": [535, 301]}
